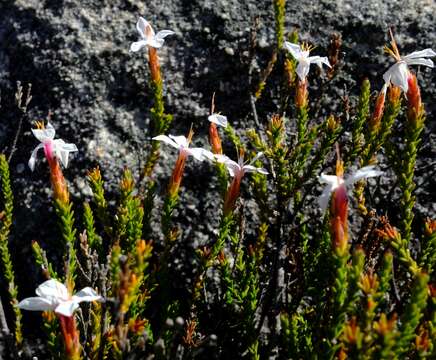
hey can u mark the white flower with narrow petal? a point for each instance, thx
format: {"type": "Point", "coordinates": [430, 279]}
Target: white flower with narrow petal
{"type": "Point", "coordinates": [301, 54]}
{"type": "Point", "coordinates": [238, 169]}
{"type": "Point", "coordinates": [182, 144]}
{"type": "Point", "coordinates": [398, 73]}
{"type": "Point", "coordinates": [218, 119]}
{"type": "Point", "coordinates": [333, 182]}
{"type": "Point", "coordinates": [148, 37]}
{"type": "Point", "coordinates": [54, 296]}
{"type": "Point", "coordinates": [52, 147]}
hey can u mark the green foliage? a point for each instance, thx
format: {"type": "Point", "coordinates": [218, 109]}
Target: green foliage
{"type": "Point", "coordinates": [66, 223]}
{"type": "Point", "coordinates": [6, 260]}
{"type": "Point", "coordinates": [428, 258]}
{"type": "Point", "coordinates": [41, 260]}
{"type": "Point", "coordinates": [376, 137]}
{"type": "Point", "coordinates": [412, 139]}
{"type": "Point", "coordinates": [386, 277]}
{"type": "Point", "coordinates": [52, 330]}
{"type": "Point", "coordinates": [279, 14]}
{"type": "Point", "coordinates": [412, 314]}
{"type": "Point", "coordinates": [161, 121]}
{"type": "Point", "coordinates": [339, 292]}
{"type": "Point", "coordinates": [170, 203]}
{"type": "Point", "coordinates": [94, 240]}
{"type": "Point", "coordinates": [130, 214]}
{"type": "Point", "coordinates": [360, 120]}
{"type": "Point", "coordinates": [234, 138]}
{"type": "Point", "coordinates": [101, 207]}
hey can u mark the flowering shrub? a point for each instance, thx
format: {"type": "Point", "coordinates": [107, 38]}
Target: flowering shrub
{"type": "Point", "coordinates": [309, 284]}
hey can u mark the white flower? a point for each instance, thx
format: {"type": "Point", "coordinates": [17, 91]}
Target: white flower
{"type": "Point", "coordinates": [334, 182]}
{"type": "Point", "coordinates": [148, 37]}
{"type": "Point", "coordinates": [182, 143]}
{"type": "Point", "coordinates": [398, 73]}
{"type": "Point", "coordinates": [304, 60]}
{"type": "Point", "coordinates": [58, 147]}
{"type": "Point", "coordinates": [238, 169]}
{"type": "Point", "coordinates": [218, 119]}
{"type": "Point", "coordinates": [54, 296]}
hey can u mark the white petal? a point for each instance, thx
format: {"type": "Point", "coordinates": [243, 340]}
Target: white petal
{"type": "Point", "coordinates": [387, 76]}
{"type": "Point", "coordinates": [163, 34]}
{"type": "Point", "coordinates": [87, 294]}
{"type": "Point", "coordinates": [294, 49]}
{"type": "Point", "coordinates": [397, 74]}
{"type": "Point", "coordinates": [231, 172]}
{"type": "Point", "coordinates": [67, 308]}
{"type": "Point", "coordinates": [62, 150]}
{"type": "Point", "coordinates": [257, 157]}
{"type": "Point", "coordinates": [208, 155]}
{"type": "Point", "coordinates": [232, 166]}
{"type": "Point", "coordinates": [36, 304]}
{"type": "Point", "coordinates": [60, 154]}
{"type": "Point", "coordinates": [420, 54]}
{"type": "Point", "coordinates": [63, 156]}
{"type": "Point", "coordinates": [220, 120]}
{"type": "Point", "coordinates": [251, 168]}
{"type": "Point", "coordinates": [166, 140]}
{"type": "Point", "coordinates": [33, 157]}
{"type": "Point", "coordinates": [221, 158]}
{"type": "Point", "coordinates": [302, 69]}
{"type": "Point", "coordinates": [323, 200]}
{"type": "Point", "coordinates": [52, 288]}
{"type": "Point", "coordinates": [142, 25]}
{"type": "Point", "coordinates": [420, 61]}
{"type": "Point", "coordinates": [318, 60]}
{"type": "Point", "coordinates": [197, 153]}
{"type": "Point", "coordinates": [46, 134]}
{"type": "Point", "coordinates": [155, 42]}
{"type": "Point", "coordinates": [180, 140]}
{"type": "Point", "coordinates": [329, 179]}
{"type": "Point", "coordinates": [138, 45]}
{"type": "Point", "coordinates": [70, 147]}
{"type": "Point", "coordinates": [363, 173]}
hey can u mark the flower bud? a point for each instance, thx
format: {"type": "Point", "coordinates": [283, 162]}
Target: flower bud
{"type": "Point", "coordinates": [394, 94]}
{"type": "Point", "coordinates": [214, 139]}
{"type": "Point", "coordinates": [339, 214]}
{"type": "Point", "coordinates": [384, 326]}
{"type": "Point", "coordinates": [71, 336]}
{"type": "Point", "coordinates": [60, 188]}
{"type": "Point", "coordinates": [232, 194]}
{"type": "Point", "coordinates": [332, 123]}
{"type": "Point", "coordinates": [289, 72]}
{"type": "Point", "coordinates": [179, 167]}
{"type": "Point", "coordinates": [153, 63]}
{"type": "Point", "coordinates": [432, 290]}
{"type": "Point", "coordinates": [388, 231]}
{"type": "Point", "coordinates": [136, 326]}
{"type": "Point", "coordinates": [301, 94]}
{"type": "Point", "coordinates": [430, 227]}
{"type": "Point", "coordinates": [95, 175]}
{"type": "Point", "coordinates": [352, 333]}
{"type": "Point", "coordinates": [414, 103]}
{"type": "Point", "coordinates": [422, 341]}
{"type": "Point", "coordinates": [369, 283]}
{"type": "Point", "coordinates": [375, 120]}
